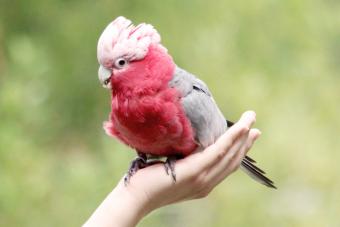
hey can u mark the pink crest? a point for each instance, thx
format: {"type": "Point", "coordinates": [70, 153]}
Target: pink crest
{"type": "Point", "coordinates": [122, 39]}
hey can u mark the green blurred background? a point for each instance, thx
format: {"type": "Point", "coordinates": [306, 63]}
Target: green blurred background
{"type": "Point", "coordinates": [279, 58]}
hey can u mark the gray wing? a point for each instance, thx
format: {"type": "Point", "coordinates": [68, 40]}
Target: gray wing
{"type": "Point", "coordinates": [206, 118]}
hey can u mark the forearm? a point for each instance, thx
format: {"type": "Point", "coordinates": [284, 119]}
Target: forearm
{"type": "Point", "coordinates": [120, 208]}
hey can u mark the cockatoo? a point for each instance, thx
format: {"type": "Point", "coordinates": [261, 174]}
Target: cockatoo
{"type": "Point", "coordinates": [157, 108]}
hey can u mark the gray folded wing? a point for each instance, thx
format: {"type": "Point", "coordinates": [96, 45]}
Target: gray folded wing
{"type": "Point", "coordinates": [206, 118]}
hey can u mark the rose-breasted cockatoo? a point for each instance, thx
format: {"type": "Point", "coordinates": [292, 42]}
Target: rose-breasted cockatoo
{"type": "Point", "coordinates": [158, 108]}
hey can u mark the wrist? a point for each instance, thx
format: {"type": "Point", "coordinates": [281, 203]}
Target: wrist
{"type": "Point", "coordinates": [123, 207]}
{"type": "Point", "coordinates": [133, 202]}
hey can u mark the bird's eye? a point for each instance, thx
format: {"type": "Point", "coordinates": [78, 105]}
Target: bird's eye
{"type": "Point", "coordinates": [120, 63]}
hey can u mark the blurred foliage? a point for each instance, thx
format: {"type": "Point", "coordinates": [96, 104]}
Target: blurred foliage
{"type": "Point", "coordinates": [280, 58]}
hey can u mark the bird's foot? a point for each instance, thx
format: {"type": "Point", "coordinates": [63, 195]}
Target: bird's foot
{"type": "Point", "coordinates": [138, 163]}
{"type": "Point", "coordinates": [170, 167]}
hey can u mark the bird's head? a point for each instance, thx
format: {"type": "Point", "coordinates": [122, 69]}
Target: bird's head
{"type": "Point", "coordinates": [122, 48]}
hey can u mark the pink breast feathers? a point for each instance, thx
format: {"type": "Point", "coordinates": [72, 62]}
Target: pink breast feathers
{"type": "Point", "coordinates": [154, 125]}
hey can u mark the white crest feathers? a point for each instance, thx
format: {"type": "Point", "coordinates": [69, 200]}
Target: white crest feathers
{"type": "Point", "coordinates": [122, 39]}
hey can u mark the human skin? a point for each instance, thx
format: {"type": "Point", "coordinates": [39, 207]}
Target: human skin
{"type": "Point", "coordinates": [197, 175]}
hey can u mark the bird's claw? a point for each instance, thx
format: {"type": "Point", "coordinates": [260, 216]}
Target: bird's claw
{"type": "Point", "coordinates": [138, 163]}
{"type": "Point", "coordinates": [141, 162]}
{"type": "Point", "coordinates": [169, 166]}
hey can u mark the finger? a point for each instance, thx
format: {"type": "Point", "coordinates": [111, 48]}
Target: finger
{"type": "Point", "coordinates": [217, 151]}
{"type": "Point", "coordinates": [202, 161]}
{"type": "Point", "coordinates": [235, 162]}
{"type": "Point", "coordinates": [241, 128]}
{"type": "Point", "coordinates": [224, 162]}
{"type": "Point", "coordinates": [247, 119]}
{"type": "Point", "coordinates": [254, 134]}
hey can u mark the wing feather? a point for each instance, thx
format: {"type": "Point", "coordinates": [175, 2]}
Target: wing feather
{"type": "Point", "coordinates": [206, 118]}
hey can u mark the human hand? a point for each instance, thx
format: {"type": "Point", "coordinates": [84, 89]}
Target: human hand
{"type": "Point", "coordinates": [197, 175]}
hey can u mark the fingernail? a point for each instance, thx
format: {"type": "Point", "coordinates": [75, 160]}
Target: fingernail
{"type": "Point", "coordinates": [248, 114]}
{"type": "Point", "coordinates": [251, 112]}
{"type": "Point", "coordinates": [258, 135]}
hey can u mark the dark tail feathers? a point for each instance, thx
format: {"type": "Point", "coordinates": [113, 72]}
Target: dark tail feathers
{"type": "Point", "coordinates": [248, 166]}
